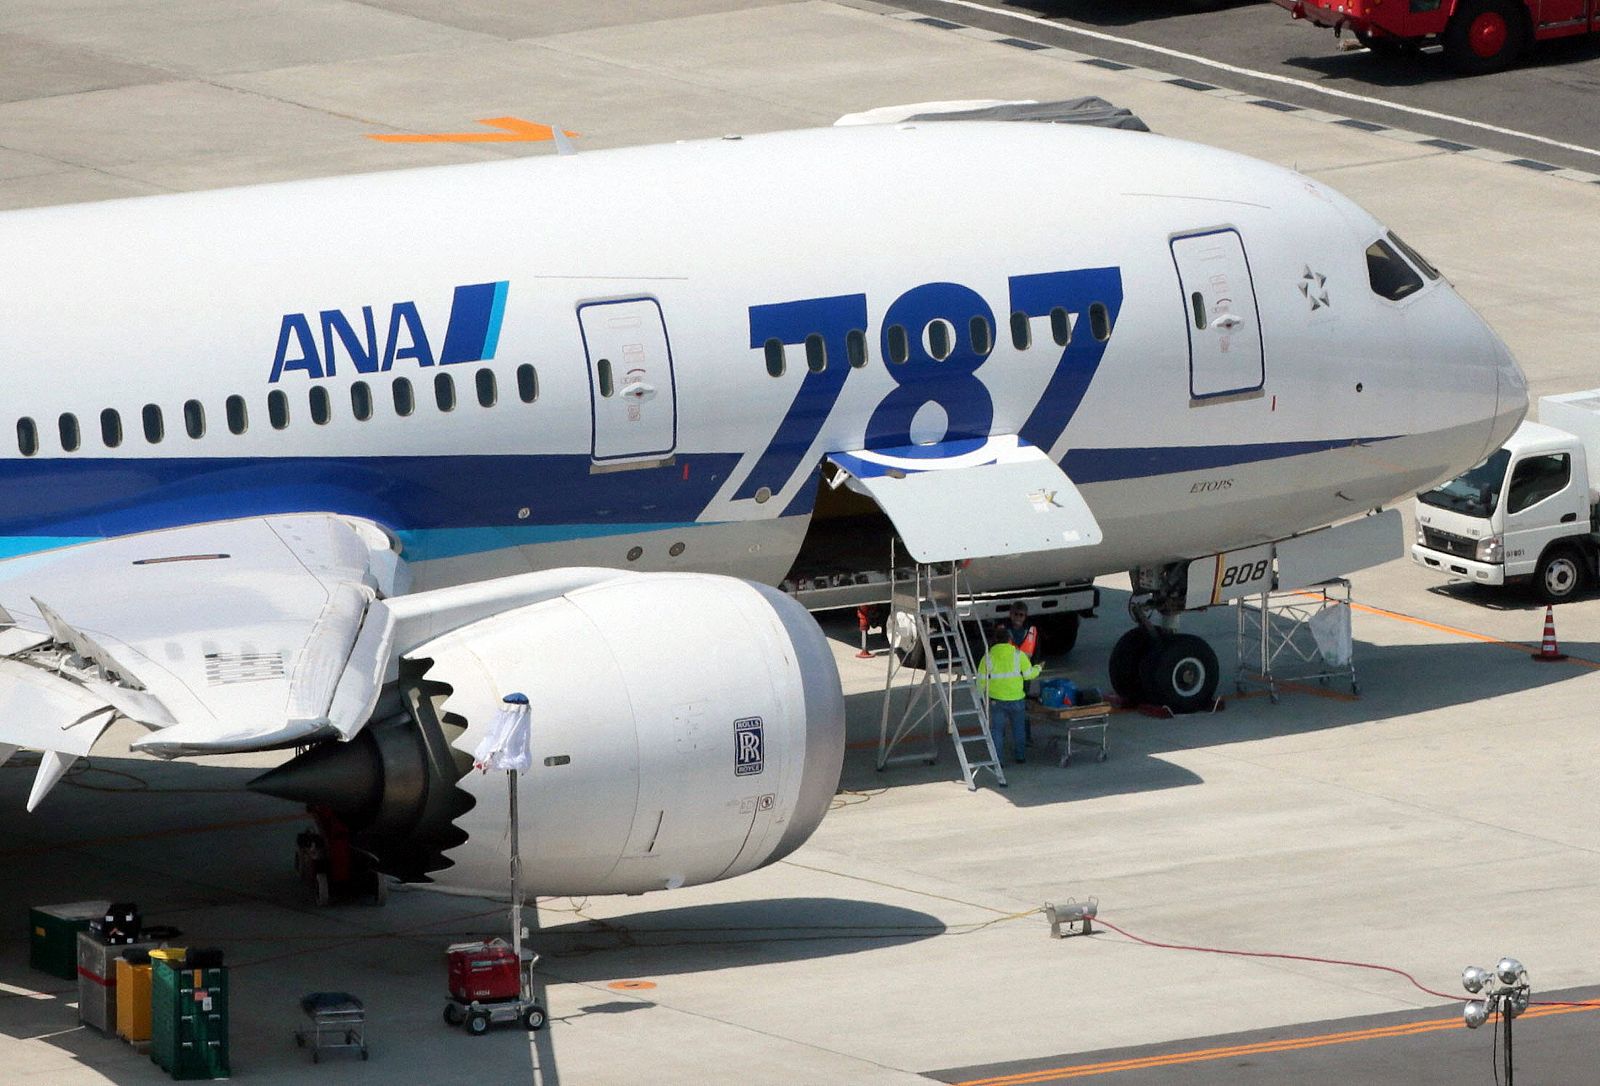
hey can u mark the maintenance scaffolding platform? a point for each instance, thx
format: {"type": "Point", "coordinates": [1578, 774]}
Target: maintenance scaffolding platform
{"type": "Point", "coordinates": [1296, 636]}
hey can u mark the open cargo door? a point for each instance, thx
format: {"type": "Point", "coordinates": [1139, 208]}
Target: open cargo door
{"type": "Point", "coordinates": [971, 498]}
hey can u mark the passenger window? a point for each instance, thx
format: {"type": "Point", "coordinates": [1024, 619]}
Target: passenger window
{"type": "Point", "coordinates": [155, 428]}
{"type": "Point", "coordinates": [941, 339]}
{"type": "Point", "coordinates": [1021, 331]}
{"type": "Point", "coordinates": [69, 433]}
{"type": "Point", "coordinates": [110, 428]}
{"type": "Point", "coordinates": [773, 349]}
{"type": "Point", "coordinates": [855, 345]}
{"type": "Point", "coordinates": [405, 401]}
{"type": "Point", "coordinates": [527, 383]}
{"type": "Point", "coordinates": [487, 391]}
{"type": "Point", "coordinates": [238, 417]}
{"type": "Point", "coordinates": [1060, 326]}
{"type": "Point", "coordinates": [1099, 321]}
{"type": "Point", "coordinates": [278, 408]}
{"type": "Point", "coordinates": [194, 418]}
{"type": "Point", "coordinates": [1537, 478]}
{"type": "Point", "coordinates": [1415, 257]}
{"type": "Point", "coordinates": [899, 344]}
{"type": "Point", "coordinates": [321, 406]}
{"type": "Point", "coordinates": [816, 353]}
{"type": "Point", "coordinates": [361, 401]}
{"type": "Point", "coordinates": [981, 334]}
{"type": "Point", "coordinates": [27, 437]}
{"type": "Point", "coordinates": [444, 391]}
{"type": "Point", "coordinates": [1390, 276]}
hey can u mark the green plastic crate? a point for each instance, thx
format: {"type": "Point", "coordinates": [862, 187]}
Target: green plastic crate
{"type": "Point", "coordinates": [53, 935]}
{"type": "Point", "coordinates": [189, 1020]}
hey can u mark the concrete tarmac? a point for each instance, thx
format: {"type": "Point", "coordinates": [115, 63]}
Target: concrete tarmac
{"type": "Point", "coordinates": [1443, 818]}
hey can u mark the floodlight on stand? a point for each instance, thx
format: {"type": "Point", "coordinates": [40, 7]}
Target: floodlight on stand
{"type": "Point", "coordinates": [1510, 971]}
{"type": "Point", "coordinates": [1475, 1014]}
{"type": "Point", "coordinates": [1473, 979]}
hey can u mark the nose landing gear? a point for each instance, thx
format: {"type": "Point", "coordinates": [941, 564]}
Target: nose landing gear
{"type": "Point", "coordinates": [1151, 665]}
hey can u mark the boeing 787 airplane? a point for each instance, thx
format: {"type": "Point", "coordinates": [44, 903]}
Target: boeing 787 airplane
{"type": "Point", "coordinates": [339, 463]}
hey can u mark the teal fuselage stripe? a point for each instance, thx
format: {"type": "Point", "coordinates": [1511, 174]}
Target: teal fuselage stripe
{"type": "Point", "coordinates": [491, 338]}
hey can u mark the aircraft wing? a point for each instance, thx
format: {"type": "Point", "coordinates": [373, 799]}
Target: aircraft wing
{"type": "Point", "coordinates": [971, 498]}
{"type": "Point", "coordinates": [230, 636]}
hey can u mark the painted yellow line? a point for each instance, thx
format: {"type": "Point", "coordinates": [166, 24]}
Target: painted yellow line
{"type": "Point", "coordinates": [1286, 1044]}
{"type": "Point", "coordinates": [1471, 635]}
{"type": "Point", "coordinates": [512, 130]}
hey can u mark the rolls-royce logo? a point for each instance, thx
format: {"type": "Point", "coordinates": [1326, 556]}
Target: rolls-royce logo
{"type": "Point", "coordinates": [748, 748]}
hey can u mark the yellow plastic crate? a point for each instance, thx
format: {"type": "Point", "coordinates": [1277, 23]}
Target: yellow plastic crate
{"type": "Point", "coordinates": [133, 1000]}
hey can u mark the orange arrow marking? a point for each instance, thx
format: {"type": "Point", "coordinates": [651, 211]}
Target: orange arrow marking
{"type": "Point", "coordinates": [512, 130]}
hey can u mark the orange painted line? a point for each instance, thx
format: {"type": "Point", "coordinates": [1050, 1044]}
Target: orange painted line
{"type": "Point", "coordinates": [512, 130]}
{"type": "Point", "coordinates": [1287, 1044]}
{"type": "Point", "coordinates": [1470, 635]}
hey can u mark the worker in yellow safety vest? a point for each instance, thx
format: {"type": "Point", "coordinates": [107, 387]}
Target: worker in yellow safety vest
{"type": "Point", "coordinates": [1002, 675]}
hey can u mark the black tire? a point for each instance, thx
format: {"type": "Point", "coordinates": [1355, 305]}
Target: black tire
{"type": "Point", "coordinates": [478, 1024]}
{"type": "Point", "coordinates": [454, 1015]}
{"type": "Point", "coordinates": [1559, 576]}
{"type": "Point", "coordinates": [1126, 656]}
{"type": "Point", "coordinates": [1181, 674]}
{"type": "Point", "coordinates": [533, 1018]}
{"type": "Point", "coordinates": [1485, 36]}
{"type": "Point", "coordinates": [1057, 635]}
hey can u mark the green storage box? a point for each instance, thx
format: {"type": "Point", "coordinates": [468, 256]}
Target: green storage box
{"type": "Point", "coordinates": [53, 935]}
{"type": "Point", "coordinates": [189, 1020]}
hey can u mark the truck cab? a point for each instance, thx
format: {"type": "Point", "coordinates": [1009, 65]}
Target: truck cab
{"type": "Point", "coordinates": [1527, 513]}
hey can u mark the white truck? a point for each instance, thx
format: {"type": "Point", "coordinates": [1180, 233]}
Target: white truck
{"type": "Point", "coordinates": [1527, 512]}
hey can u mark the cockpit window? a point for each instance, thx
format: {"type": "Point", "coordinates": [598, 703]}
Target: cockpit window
{"type": "Point", "coordinates": [1390, 276]}
{"type": "Point", "coordinates": [1415, 257]}
{"type": "Point", "coordinates": [1475, 493]}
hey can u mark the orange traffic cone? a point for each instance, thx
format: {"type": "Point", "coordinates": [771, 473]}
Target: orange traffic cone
{"type": "Point", "coordinates": [1549, 651]}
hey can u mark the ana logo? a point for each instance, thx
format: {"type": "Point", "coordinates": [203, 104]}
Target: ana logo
{"type": "Point", "coordinates": [314, 344]}
{"type": "Point", "coordinates": [747, 747]}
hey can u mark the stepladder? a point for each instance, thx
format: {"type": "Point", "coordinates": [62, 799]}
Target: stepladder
{"type": "Point", "coordinates": [940, 693]}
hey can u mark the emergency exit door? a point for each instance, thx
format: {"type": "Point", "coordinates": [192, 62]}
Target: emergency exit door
{"type": "Point", "coordinates": [1219, 302]}
{"type": "Point", "coordinates": [632, 396]}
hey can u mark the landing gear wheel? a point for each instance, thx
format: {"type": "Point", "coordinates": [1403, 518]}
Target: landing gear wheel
{"type": "Point", "coordinates": [1180, 673]}
{"type": "Point", "coordinates": [533, 1018]}
{"type": "Point", "coordinates": [1559, 575]}
{"type": "Point", "coordinates": [1126, 655]}
{"type": "Point", "coordinates": [478, 1023]}
{"type": "Point", "coordinates": [454, 1015]}
{"type": "Point", "coordinates": [1057, 635]}
{"type": "Point", "coordinates": [1484, 36]}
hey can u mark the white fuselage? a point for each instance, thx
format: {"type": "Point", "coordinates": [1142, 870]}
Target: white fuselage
{"type": "Point", "coordinates": [1288, 395]}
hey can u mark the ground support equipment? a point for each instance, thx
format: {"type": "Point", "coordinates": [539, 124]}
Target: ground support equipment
{"type": "Point", "coordinates": [1078, 726]}
{"type": "Point", "coordinates": [338, 1020]}
{"type": "Point", "coordinates": [1276, 643]}
{"type": "Point", "coordinates": [946, 693]}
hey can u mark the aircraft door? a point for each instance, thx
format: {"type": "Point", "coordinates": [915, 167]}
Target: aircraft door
{"type": "Point", "coordinates": [1559, 13]}
{"type": "Point", "coordinates": [632, 395]}
{"type": "Point", "coordinates": [1219, 300]}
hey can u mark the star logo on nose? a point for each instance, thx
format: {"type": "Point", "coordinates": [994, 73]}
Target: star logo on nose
{"type": "Point", "coordinates": [1314, 286]}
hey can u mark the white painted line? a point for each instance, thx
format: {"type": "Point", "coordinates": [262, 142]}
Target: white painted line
{"type": "Point", "coordinates": [1251, 73]}
{"type": "Point", "coordinates": [26, 993]}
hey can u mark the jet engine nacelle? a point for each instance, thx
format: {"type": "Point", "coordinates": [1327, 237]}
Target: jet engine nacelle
{"type": "Point", "coordinates": [685, 728]}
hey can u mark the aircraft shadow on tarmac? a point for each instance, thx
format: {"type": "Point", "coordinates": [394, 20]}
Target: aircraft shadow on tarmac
{"type": "Point", "coordinates": [1395, 681]}
{"type": "Point", "coordinates": [724, 935]}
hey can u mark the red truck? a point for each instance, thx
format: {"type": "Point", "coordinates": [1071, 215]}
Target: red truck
{"type": "Point", "coordinates": [1477, 35]}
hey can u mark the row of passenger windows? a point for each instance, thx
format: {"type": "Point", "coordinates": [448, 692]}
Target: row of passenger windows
{"type": "Point", "coordinates": [319, 403]}
{"type": "Point", "coordinates": [938, 339]}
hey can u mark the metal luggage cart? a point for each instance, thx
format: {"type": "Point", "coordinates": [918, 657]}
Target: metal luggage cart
{"type": "Point", "coordinates": [338, 1020]}
{"type": "Point", "coordinates": [1276, 643]}
{"type": "Point", "coordinates": [1078, 727]}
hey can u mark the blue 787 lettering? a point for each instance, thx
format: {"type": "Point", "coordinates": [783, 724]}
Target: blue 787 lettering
{"type": "Point", "coordinates": [952, 382]}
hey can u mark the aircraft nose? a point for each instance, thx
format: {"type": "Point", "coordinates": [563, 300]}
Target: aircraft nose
{"type": "Point", "coordinates": [1512, 403]}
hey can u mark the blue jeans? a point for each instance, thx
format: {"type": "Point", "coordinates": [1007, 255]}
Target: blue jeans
{"type": "Point", "coordinates": [1009, 718]}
